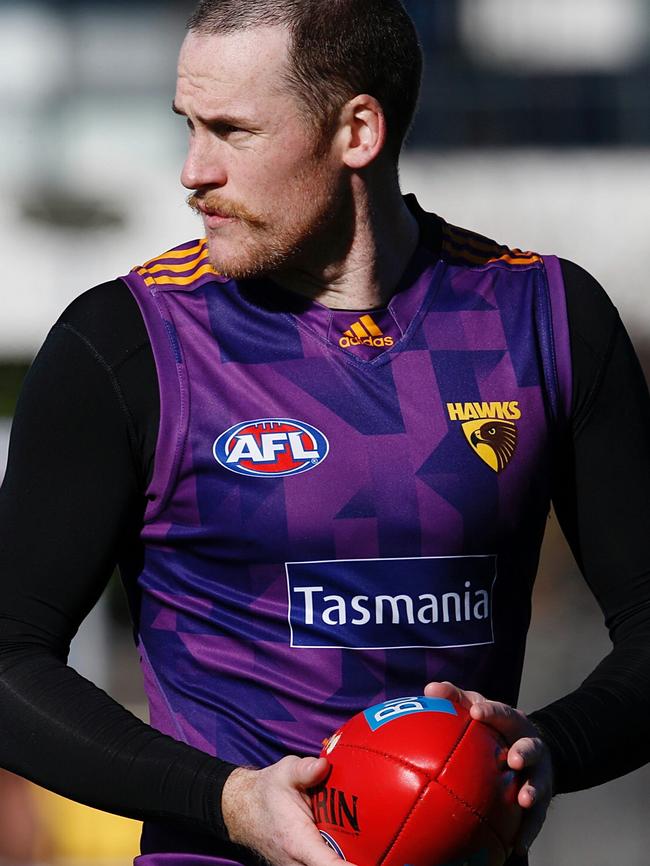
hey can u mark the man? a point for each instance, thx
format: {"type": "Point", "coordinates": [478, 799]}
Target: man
{"type": "Point", "coordinates": [321, 443]}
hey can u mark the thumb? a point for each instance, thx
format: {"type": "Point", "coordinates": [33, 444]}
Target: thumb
{"type": "Point", "coordinates": [310, 771]}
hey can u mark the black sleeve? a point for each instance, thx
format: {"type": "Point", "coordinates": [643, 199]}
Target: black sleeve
{"type": "Point", "coordinates": [70, 502]}
{"type": "Point", "coordinates": [86, 426]}
{"type": "Point", "coordinates": [602, 499]}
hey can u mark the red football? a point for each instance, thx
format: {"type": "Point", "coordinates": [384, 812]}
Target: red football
{"type": "Point", "coordinates": [417, 782]}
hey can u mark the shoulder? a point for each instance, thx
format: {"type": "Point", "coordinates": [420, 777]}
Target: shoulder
{"type": "Point", "coordinates": [107, 321]}
{"type": "Point", "coordinates": [463, 247]}
{"type": "Point", "coordinates": [595, 329]}
{"type": "Point", "coordinates": [469, 248]}
{"type": "Point", "coordinates": [107, 318]}
{"type": "Point", "coordinates": [594, 323]}
{"type": "Point", "coordinates": [184, 265]}
{"type": "Point", "coordinates": [591, 313]}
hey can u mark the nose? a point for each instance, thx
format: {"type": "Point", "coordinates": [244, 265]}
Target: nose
{"type": "Point", "coordinates": [204, 165]}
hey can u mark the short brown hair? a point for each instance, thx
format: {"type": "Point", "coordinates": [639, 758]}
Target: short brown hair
{"type": "Point", "coordinates": [339, 48]}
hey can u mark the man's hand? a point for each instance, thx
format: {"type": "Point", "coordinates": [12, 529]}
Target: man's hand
{"type": "Point", "coordinates": [269, 811]}
{"type": "Point", "coordinates": [528, 754]}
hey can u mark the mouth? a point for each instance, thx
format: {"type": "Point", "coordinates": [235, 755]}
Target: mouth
{"type": "Point", "coordinates": [209, 207]}
{"type": "Point", "coordinates": [209, 214]}
{"type": "Point", "coordinates": [213, 218]}
{"type": "Point", "coordinates": [209, 211]}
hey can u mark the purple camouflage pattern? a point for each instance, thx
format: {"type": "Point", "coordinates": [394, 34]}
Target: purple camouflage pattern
{"type": "Point", "coordinates": [400, 482]}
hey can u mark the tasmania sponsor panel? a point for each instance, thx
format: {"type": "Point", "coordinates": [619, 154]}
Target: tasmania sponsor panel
{"type": "Point", "coordinates": [391, 603]}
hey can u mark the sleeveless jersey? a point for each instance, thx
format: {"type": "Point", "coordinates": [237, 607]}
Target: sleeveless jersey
{"type": "Point", "coordinates": [344, 505]}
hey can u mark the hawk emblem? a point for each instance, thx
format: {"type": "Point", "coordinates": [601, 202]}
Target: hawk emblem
{"type": "Point", "coordinates": [493, 439]}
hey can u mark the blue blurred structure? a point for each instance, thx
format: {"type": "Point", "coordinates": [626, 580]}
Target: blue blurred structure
{"type": "Point", "coordinates": [467, 102]}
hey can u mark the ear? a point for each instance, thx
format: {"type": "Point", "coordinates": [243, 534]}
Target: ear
{"type": "Point", "coordinates": [363, 131]}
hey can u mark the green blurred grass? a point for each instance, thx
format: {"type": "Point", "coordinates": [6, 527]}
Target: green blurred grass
{"type": "Point", "coordinates": [11, 378]}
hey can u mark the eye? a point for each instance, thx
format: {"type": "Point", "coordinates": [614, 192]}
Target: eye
{"type": "Point", "coordinates": [224, 129]}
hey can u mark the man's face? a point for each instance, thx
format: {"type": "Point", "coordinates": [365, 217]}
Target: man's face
{"type": "Point", "coordinates": [266, 193]}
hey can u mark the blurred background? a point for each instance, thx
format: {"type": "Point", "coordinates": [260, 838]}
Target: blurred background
{"type": "Point", "coordinates": [534, 128]}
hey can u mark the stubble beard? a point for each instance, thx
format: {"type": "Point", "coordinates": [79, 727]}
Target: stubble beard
{"type": "Point", "coordinates": [266, 245]}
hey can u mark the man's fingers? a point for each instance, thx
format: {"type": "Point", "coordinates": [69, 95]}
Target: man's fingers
{"type": "Point", "coordinates": [530, 826]}
{"type": "Point", "coordinates": [288, 835]}
{"type": "Point", "coordinates": [528, 755]}
{"type": "Point", "coordinates": [318, 854]}
{"type": "Point", "coordinates": [308, 772]}
{"type": "Point", "coordinates": [536, 790]}
{"type": "Point", "coordinates": [452, 693]}
{"type": "Point", "coordinates": [528, 796]}
{"type": "Point", "coordinates": [534, 796]}
{"type": "Point", "coordinates": [525, 752]}
{"type": "Point", "coordinates": [508, 721]}
{"type": "Point", "coordinates": [304, 852]}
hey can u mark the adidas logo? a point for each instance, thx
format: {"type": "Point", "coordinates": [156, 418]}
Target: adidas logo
{"type": "Point", "coordinates": [365, 332]}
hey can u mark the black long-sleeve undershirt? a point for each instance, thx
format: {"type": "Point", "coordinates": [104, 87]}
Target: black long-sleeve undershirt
{"type": "Point", "coordinates": [72, 503]}
{"type": "Point", "coordinates": [601, 495]}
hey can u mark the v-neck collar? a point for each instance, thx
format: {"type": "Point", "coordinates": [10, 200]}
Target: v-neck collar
{"type": "Point", "coordinates": [377, 331]}
{"type": "Point", "coordinates": [392, 321]}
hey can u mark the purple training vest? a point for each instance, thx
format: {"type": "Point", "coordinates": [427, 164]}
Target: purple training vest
{"type": "Point", "coordinates": [344, 506]}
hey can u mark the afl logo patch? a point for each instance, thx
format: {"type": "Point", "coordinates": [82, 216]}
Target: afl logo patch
{"type": "Point", "coordinates": [271, 447]}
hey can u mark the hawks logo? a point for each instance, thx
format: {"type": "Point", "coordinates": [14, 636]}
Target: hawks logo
{"type": "Point", "coordinates": [490, 430]}
{"type": "Point", "coordinates": [493, 440]}
{"type": "Point", "coordinates": [271, 447]}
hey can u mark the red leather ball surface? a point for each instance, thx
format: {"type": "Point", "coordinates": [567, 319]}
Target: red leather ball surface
{"type": "Point", "coordinates": [417, 782]}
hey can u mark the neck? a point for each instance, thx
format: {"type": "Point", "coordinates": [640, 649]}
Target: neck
{"type": "Point", "coordinates": [358, 269]}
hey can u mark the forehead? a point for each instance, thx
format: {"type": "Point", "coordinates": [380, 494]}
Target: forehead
{"type": "Point", "coordinates": [233, 70]}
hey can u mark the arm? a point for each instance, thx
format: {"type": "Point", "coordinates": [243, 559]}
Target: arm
{"type": "Point", "coordinates": [70, 498]}
{"type": "Point", "coordinates": [598, 732]}
{"type": "Point", "coordinates": [81, 451]}
{"type": "Point", "coordinates": [600, 492]}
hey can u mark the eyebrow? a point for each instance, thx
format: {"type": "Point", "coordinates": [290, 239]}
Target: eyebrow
{"type": "Point", "coordinates": [229, 119]}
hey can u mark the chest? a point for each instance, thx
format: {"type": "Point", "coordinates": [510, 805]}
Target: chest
{"type": "Point", "coordinates": [436, 449]}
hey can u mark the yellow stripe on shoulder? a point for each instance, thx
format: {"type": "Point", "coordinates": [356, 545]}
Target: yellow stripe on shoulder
{"type": "Point", "coordinates": [177, 253]}
{"type": "Point", "coordinates": [178, 269]}
{"type": "Point", "coordinates": [149, 281]}
{"type": "Point", "coordinates": [478, 250]}
{"type": "Point", "coordinates": [184, 281]}
{"type": "Point", "coordinates": [167, 269]}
